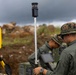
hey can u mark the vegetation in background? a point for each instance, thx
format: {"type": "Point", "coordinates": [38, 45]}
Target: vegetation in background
{"type": "Point", "coordinates": [10, 41]}
{"type": "Point", "coordinates": [44, 32]}
{"type": "Point", "coordinates": [48, 30]}
{"type": "Point", "coordinates": [57, 30]}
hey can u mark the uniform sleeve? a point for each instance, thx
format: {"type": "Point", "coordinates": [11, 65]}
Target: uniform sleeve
{"type": "Point", "coordinates": [43, 49]}
{"type": "Point", "coordinates": [63, 65]}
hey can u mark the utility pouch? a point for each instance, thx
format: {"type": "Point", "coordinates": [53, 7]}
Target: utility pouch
{"type": "Point", "coordinates": [25, 69]}
{"type": "Point", "coordinates": [47, 58]}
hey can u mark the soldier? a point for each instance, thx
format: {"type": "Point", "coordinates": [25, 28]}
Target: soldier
{"type": "Point", "coordinates": [67, 61]}
{"type": "Point", "coordinates": [53, 43]}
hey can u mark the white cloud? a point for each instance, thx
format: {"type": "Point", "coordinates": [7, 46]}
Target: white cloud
{"type": "Point", "coordinates": [74, 20]}
{"type": "Point", "coordinates": [57, 23]}
{"type": "Point", "coordinates": [60, 23]}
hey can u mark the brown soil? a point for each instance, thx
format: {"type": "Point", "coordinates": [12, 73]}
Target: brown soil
{"type": "Point", "coordinates": [15, 55]}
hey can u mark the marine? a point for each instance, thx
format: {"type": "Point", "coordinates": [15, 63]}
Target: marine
{"type": "Point", "coordinates": [48, 47]}
{"type": "Point", "coordinates": [67, 61]}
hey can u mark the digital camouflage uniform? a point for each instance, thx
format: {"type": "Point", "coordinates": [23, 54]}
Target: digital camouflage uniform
{"type": "Point", "coordinates": [43, 49]}
{"type": "Point", "coordinates": [67, 61]}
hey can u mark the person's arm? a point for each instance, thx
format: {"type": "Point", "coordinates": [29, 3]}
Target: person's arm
{"type": "Point", "coordinates": [62, 67]}
{"type": "Point", "coordinates": [43, 49]}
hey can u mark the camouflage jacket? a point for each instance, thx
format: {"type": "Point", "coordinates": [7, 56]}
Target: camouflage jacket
{"type": "Point", "coordinates": [43, 49]}
{"type": "Point", "coordinates": [67, 62]}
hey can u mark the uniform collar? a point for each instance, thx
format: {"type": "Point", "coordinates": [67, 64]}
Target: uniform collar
{"type": "Point", "coordinates": [72, 42]}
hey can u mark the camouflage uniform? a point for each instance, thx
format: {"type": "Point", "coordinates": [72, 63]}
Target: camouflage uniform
{"type": "Point", "coordinates": [67, 61]}
{"type": "Point", "coordinates": [43, 49]}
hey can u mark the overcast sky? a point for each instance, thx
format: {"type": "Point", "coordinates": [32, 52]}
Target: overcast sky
{"type": "Point", "coordinates": [50, 11]}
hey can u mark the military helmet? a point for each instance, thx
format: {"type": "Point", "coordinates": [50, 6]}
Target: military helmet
{"type": "Point", "coordinates": [68, 28]}
{"type": "Point", "coordinates": [57, 39]}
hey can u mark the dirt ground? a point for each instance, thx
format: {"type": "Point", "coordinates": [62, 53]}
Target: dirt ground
{"type": "Point", "coordinates": [15, 56]}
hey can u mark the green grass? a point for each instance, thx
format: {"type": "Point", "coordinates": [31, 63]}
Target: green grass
{"type": "Point", "coordinates": [10, 41]}
{"type": "Point", "coordinates": [57, 30]}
